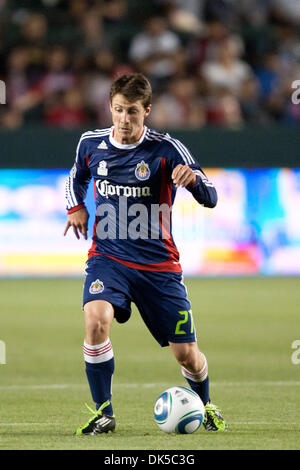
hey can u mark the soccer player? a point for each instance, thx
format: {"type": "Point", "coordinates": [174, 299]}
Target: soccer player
{"type": "Point", "coordinates": [133, 258]}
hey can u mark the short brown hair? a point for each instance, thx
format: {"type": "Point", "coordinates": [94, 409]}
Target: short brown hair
{"type": "Point", "coordinates": [134, 86]}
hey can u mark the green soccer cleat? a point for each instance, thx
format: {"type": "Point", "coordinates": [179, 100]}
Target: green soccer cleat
{"type": "Point", "coordinates": [98, 423]}
{"type": "Point", "coordinates": [213, 420]}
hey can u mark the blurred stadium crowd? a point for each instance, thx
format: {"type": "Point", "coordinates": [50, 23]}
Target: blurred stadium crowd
{"type": "Point", "coordinates": [210, 62]}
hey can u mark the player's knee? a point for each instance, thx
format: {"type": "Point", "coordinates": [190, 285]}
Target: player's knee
{"type": "Point", "coordinates": [187, 355]}
{"type": "Point", "coordinates": [98, 318]}
{"type": "Point", "coordinates": [183, 355]}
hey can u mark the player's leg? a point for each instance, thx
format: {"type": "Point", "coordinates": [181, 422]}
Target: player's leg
{"type": "Point", "coordinates": [167, 313]}
{"type": "Point", "coordinates": [195, 370]}
{"type": "Point", "coordinates": [166, 310]}
{"type": "Point", "coordinates": [193, 367]}
{"type": "Point", "coordinates": [99, 366]}
{"type": "Point", "coordinates": [98, 351]}
{"type": "Point", "coordinates": [104, 298]}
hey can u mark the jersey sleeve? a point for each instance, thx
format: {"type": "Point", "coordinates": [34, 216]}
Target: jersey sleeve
{"type": "Point", "coordinates": [202, 190]}
{"type": "Point", "coordinates": [79, 178]}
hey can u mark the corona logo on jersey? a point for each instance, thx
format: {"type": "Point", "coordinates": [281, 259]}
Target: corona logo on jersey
{"type": "Point", "coordinates": [106, 190]}
{"type": "Point", "coordinates": [96, 287]}
{"type": "Point", "coordinates": [142, 171]}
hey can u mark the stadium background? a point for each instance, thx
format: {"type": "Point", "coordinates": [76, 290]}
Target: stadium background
{"type": "Point", "coordinates": [222, 74]}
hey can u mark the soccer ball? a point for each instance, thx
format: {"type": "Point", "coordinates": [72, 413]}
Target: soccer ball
{"type": "Point", "coordinates": [179, 410]}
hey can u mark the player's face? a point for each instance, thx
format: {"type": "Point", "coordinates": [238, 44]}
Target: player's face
{"type": "Point", "coordinates": [128, 119]}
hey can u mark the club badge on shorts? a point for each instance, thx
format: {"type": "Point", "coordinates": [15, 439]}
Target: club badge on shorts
{"type": "Point", "coordinates": [142, 171]}
{"type": "Point", "coordinates": [96, 287]}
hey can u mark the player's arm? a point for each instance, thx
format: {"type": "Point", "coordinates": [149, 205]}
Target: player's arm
{"type": "Point", "coordinates": [79, 221]}
{"type": "Point", "coordinates": [183, 175]}
{"type": "Point", "coordinates": [186, 172]}
{"type": "Point", "coordinates": [195, 181]}
{"type": "Point", "coordinates": [76, 188]}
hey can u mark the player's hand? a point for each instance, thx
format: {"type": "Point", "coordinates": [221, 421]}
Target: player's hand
{"type": "Point", "coordinates": [183, 175]}
{"type": "Point", "coordinates": [79, 221]}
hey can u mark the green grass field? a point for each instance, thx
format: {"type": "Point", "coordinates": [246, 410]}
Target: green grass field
{"type": "Point", "coordinates": [245, 327]}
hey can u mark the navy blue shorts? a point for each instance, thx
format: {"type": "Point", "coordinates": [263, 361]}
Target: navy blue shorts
{"type": "Point", "coordinates": [160, 297]}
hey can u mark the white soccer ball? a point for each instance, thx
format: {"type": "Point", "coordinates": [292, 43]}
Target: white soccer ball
{"type": "Point", "coordinates": [179, 410]}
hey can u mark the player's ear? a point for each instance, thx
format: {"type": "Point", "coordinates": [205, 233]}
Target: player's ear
{"type": "Point", "coordinates": [147, 110]}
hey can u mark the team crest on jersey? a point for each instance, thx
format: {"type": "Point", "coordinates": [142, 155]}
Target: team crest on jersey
{"type": "Point", "coordinates": [142, 171]}
{"type": "Point", "coordinates": [96, 287]}
{"type": "Point", "coordinates": [102, 168]}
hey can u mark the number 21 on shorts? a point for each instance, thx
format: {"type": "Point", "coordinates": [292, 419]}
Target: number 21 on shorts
{"type": "Point", "coordinates": [182, 324]}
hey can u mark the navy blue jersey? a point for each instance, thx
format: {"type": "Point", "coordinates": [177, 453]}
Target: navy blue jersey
{"type": "Point", "coordinates": [133, 191]}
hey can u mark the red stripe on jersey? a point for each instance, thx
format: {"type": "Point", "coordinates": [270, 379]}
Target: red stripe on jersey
{"type": "Point", "coordinates": [165, 266]}
{"type": "Point", "coordinates": [94, 245]}
{"type": "Point", "coordinates": [166, 185]}
{"type": "Point", "coordinates": [76, 208]}
{"type": "Point", "coordinates": [172, 263]}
